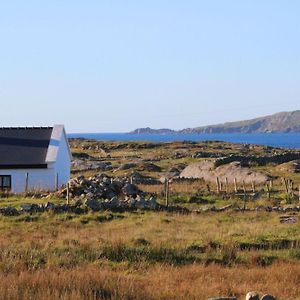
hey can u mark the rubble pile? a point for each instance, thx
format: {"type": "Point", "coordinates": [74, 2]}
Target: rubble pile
{"type": "Point", "coordinates": [100, 187]}
{"type": "Point", "coordinates": [101, 192]}
{"type": "Point", "coordinates": [128, 203]}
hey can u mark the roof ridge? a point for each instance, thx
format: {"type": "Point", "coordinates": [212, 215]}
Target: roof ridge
{"type": "Point", "coordinates": [27, 127]}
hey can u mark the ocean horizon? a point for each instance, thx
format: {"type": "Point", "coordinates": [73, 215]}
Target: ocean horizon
{"type": "Point", "coordinates": [282, 140]}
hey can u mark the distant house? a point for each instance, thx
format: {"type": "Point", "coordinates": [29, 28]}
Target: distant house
{"type": "Point", "coordinates": [34, 158]}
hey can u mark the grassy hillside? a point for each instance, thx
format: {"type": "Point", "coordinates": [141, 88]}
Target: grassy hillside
{"type": "Point", "coordinates": [280, 122]}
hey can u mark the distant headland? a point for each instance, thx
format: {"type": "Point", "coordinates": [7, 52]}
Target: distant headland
{"type": "Point", "coordinates": [283, 122]}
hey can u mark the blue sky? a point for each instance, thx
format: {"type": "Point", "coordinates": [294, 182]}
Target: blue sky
{"type": "Point", "coordinates": [113, 66]}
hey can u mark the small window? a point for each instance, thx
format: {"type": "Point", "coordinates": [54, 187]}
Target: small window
{"type": "Point", "coordinates": [5, 182]}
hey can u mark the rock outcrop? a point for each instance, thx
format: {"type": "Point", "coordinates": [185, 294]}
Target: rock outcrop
{"type": "Point", "coordinates": [289, 167]}
{"type": "Point", "coordinates": [207, 171]}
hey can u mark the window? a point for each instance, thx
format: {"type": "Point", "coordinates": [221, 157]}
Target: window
{"type": "Point", "coordinates": [5, 182]}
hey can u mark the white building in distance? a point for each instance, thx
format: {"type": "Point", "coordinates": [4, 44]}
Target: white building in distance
{"type": "Point", "coordinates": [34, 159]}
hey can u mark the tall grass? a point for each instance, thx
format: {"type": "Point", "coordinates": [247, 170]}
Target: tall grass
{"type": "Point", "coordinates": [154, 282]}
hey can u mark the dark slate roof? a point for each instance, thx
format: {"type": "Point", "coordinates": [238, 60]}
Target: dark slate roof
{"type": "Point", "coordinates": [24, 147]}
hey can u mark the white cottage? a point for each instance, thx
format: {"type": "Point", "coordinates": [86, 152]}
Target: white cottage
{"type": "Point", "coordinates": [34, 158]}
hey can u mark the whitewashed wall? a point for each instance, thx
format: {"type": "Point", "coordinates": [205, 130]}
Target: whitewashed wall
{"type": "Point", "coordinates": [62, 166]}
{"type": "Point", "coordinates": [38, 179]}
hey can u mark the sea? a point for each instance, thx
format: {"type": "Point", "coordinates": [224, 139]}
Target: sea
{"type": "Point", "coordinates": [281, 140]}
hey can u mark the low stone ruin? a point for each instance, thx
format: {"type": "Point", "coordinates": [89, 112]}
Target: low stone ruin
{"type": "Point", "coordinates": [259, 160]}
{"type": "Point", "coordinates": [139, 178]}
{"type": "Point", "coordinates": [40, 208]}
{"type": "Point", "coordinates": [260, 208]}
{"type": "Point", "coordinates": [79, 165]}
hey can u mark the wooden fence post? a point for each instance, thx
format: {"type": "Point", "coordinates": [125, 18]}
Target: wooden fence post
{"type": "Point", "coordinates": [26, 182]}
{"type": "Point", "coordinates": [218, 185]}
{"type": "Point", "coordinates": [235, 186]}
{"type": "Point", "coordinates": [167, 191]}
{"type": "Point", "coordinates": [68, 193]}
{"type": "Point", "coordinates": [165, 187]}
{"type": "Point", "coordinates": [56, 182]}
{"type": "Point", "coordinates": [253, 187]}
{"type": "Point", "coordinates": [244, 187]}
{"type": "Point", "coordinates": [291, 186]}
{"type": "Point", "coordinates": [268, 191]}
{"type": "Point", "coordinates": [245, 195]}
{"type": "Point", "coordinates": [226, 185]}
{"type": "Point", "coordinates": [285, 185]}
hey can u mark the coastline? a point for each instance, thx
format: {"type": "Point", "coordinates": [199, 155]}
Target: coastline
{"type": "Point", "coordinates": [281, 140]}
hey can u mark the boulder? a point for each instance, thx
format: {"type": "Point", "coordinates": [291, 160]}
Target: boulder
{"type": "Point", "coordinates": [252, 296]}
{"type": "Point", "coordinates": [130, 189]}
{"type": "Point", "coordinates": [268, 297]}
{"type": "Point", "coordinates": [140, 203]}
{"type": "Point", "coordinates": [31, 208]}
{"type": "Point", "coordinates": [50, 206]}
{"type": "Point", "coordinates": [9, 211]}
{"type": "Point", "coordinates": [112, 204]}
{"type": "Point", "coordinates": [152, 203]}
{"type": "Point", "coordinates": [92, 204]}
{"type": "Point", "coordinates": [114, 201]}
{"type": "Point", "coordinates": [126, 166]}
{"type": "Point", "coordinates": [26, 208]}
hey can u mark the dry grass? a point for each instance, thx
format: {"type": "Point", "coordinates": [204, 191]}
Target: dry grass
{"type": "Point", "coordinates": [154, 282]}
{"type": "Point", "coordinates": [146, 256]}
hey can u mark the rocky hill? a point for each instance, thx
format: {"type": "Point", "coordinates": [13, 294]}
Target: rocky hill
{"type": "Point", "coordinates": [281, 122]}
